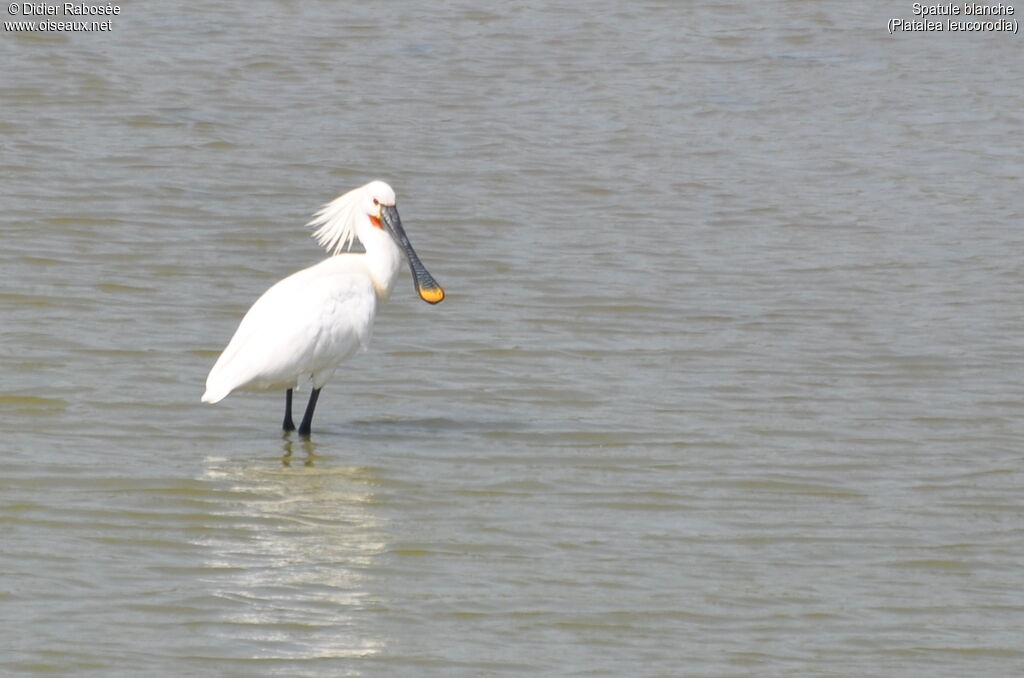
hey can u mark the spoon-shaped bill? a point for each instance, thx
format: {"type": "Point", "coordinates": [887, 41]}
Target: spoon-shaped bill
{"type": "Point", "coordinates": [426, 286]}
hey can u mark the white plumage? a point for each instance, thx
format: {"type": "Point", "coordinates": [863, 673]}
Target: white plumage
{"type": "Point", "coordinates": [302, 326]}
{"type": "Point", "coordinates": [308, 323]}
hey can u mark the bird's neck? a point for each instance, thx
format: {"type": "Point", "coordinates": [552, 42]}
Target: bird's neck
{"type": "Point", "coordinates": [384, 261]}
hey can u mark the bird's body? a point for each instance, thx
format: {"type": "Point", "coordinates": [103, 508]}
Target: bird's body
{"type": "Point", "coordinates": [303, 326]}
{"type": "Point", "coordinates": [308, 323]}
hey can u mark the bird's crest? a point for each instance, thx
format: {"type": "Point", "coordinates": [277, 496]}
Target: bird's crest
{"type": "Point", "coordinates": [335, 223]}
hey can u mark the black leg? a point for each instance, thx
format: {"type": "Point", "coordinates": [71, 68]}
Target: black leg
{"type": "Point", "coordinates": [307, 419]}
{"type": "Point", "coordinates": [289, 425]}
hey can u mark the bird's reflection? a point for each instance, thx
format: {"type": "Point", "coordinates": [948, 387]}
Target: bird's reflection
{"type": "Point", "coordinates": [306, 446]}
{"type": "Point", "coordinates": [289, 554]}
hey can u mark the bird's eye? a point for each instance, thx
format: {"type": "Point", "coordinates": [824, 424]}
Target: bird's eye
{"type": "Point", "coordinates": [376, 202]}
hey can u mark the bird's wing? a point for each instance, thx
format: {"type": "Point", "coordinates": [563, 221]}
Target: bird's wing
{"type": "Point", "coordinates": [307, 322]}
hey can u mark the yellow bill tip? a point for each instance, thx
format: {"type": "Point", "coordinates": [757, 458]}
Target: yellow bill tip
{"type": "Point", "coordinates": [432, 295]}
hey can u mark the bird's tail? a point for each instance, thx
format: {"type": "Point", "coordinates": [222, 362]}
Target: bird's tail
{"type": "Point", "coordinates": [219, 382]}
{"type": "Point", "coordinates": [216, 389]}
{"type": "Point", "coordinates": [213, 395]}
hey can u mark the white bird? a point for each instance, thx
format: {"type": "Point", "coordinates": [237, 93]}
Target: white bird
{"type": "Point", "coordinates": [308, 323]}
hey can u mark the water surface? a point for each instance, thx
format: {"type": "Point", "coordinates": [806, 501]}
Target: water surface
{"type": "Point", "coordinates": [728, 380]}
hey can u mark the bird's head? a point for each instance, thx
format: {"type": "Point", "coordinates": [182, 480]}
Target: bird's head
{"type": "Point", "coordinates": [376, 196]}
{"type": "Point", "coordinates": [336, 225]}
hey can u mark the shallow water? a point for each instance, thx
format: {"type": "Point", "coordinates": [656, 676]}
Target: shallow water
{"type": "Point", "coordinates": [728, 380]}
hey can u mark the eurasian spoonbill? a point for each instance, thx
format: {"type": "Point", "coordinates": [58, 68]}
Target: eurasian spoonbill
{"type": "Point", "coordinates": [308, 323]}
